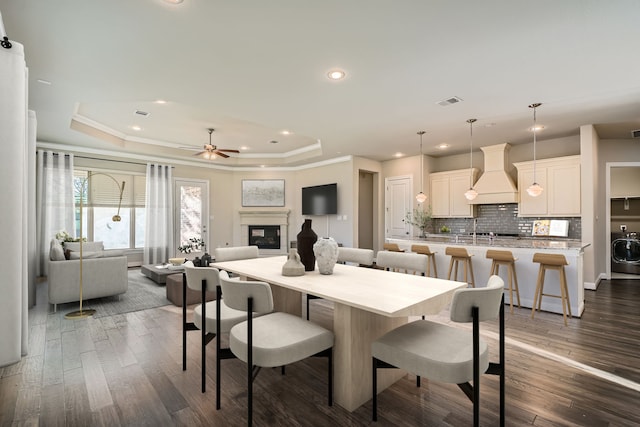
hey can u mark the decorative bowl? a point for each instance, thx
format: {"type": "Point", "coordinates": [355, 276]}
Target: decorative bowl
{"type": "Point", "coordinates": [176, 261]}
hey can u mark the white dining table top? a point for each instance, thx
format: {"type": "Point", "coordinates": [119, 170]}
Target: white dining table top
{"type": "Point", "coordinates": [386, 293]}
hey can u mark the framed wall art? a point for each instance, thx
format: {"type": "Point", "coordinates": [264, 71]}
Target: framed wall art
{"type": "Point", "coordinates": [263, 192]}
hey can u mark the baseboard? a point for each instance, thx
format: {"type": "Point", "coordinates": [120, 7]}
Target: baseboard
{"type": "Point", "coordinates": [594, 286]}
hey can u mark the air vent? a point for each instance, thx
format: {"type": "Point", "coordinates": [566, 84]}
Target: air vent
{"type": "Point", "coordinates": [635, 133]}
{"type": "Point", "coordinates": [142, 113]}
{"type": "Point", "coordinates": [449, 101]}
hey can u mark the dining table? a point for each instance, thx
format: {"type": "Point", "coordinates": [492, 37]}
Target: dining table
{"type": "Point", "coordinates": [367, 303]}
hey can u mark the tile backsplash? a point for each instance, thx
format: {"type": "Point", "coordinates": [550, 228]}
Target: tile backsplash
{"type": "Point", "coordinates": [501, 219]}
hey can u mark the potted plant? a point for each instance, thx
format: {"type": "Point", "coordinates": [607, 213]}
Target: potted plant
{"type": "Point", "coordinates": [420, 218]}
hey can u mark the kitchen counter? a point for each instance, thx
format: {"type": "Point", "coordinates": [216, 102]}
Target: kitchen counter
{"type": "Point", "coordinates": [501, 242]}
{"type": "Point", "coordinates": [523, 249]}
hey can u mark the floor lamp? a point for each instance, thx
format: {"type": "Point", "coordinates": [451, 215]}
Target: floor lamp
{"type": "Point", "coordinates": [80, 314]}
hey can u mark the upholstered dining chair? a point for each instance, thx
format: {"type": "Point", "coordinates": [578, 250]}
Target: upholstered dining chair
{"type": "Point", "coordinates": [361, 257]}
{"type": "Point", "coordinates": [211, 318]}
{"type": "Point", "coordinates": [409, 262]}
{"type": "Point", "coordinates": [233, 253]}
{"type": "Point", "coordinates": [274, 338]}
{"type": "Point", "coordinates": [446, 353]}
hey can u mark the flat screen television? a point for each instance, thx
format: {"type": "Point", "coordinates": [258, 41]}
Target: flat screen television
{"type": "Point", "coordinates": [320, 200]}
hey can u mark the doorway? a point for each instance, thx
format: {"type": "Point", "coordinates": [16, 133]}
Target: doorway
{"type": "Point", "coordinates": [191, 211]}
{"type": "Point", "coordinates": [398, 201]}
{"type": "Point", "coordinates": [623, 220]}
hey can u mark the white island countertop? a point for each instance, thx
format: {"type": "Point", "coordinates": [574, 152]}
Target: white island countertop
{"type": "Point", "coordinates": [527, 271]}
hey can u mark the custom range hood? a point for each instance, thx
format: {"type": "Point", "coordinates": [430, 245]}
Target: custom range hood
{"type": "Point", "coordinates": [495, 185]}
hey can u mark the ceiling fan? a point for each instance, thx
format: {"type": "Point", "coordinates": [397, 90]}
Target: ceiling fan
{"type": "Point", "coordinates": [211, 151]}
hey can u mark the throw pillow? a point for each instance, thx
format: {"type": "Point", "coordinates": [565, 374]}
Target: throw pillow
{"type": "Point", "coordinates": [55, 251]}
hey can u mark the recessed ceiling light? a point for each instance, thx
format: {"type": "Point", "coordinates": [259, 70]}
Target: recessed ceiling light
{"type": "Point", "coordinates": [44, 82]}
{"type": "Point", "coordinates": [536, 129]}
{"type": "Point", "coordinates": [174, 1]}
{"type": "Point", "coordinates": [286, 132]}
{"type": "Point", "coordinates": [442, 146]}
{"type": "Point", "coordinates": [160, 101]}
{"type": "Point", "coordinates": [336, 74]}
{"type": "Point", "coordinates": [136, 128]}
{"type": "Point", "coordinates": [244, 147]}
{"type": "Point", "coordinates": [398, 154]}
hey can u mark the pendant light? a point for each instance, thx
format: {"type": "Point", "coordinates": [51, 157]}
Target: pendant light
{"type": "Point", "coordinates": [534, 189]}
{"type": "Point", "coordinates": [421, 197]}
{"type": "Point", "coordinates": [471, 194]}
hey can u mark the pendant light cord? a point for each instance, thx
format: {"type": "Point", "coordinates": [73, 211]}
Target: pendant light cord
{"type": "Point", "coordinates": [471, 121]}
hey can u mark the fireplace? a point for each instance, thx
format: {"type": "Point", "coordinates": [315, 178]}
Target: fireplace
{"type": "Point", "coordinates": [269, 230]}
{"type": "Point", "coordinates": [264, 236]}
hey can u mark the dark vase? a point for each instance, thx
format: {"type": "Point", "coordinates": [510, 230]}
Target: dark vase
{"type": "Point", "coordinates": [305, 240]}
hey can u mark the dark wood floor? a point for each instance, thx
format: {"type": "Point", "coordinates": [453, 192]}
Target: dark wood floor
{"type": "Point", "coordinates": [126, 370]}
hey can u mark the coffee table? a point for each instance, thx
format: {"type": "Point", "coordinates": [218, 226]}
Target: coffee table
{"type": "Point", "coordinates": [159, 273]}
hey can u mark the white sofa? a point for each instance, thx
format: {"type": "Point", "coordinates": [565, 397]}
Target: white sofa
{"type": "Point", "coordinates": [102, 274]}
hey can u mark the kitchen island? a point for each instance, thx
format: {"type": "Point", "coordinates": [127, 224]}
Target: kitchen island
{"type": "Point", "coordinates": [526, 270]}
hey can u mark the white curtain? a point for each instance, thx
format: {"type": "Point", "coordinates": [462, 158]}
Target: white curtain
{"type": "Point", "coordinates": [158, 237]}
{"type": "Point", "coordinates": [54, 202]}
{"type": "Point", "coordinates": [14, 327]}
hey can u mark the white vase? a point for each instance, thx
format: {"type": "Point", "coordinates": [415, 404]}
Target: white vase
{"type": "Point", "coordinates": [326, 252]}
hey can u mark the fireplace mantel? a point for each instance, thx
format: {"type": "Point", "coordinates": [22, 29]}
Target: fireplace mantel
{"type": "Point", "coordinates": [266, 217]}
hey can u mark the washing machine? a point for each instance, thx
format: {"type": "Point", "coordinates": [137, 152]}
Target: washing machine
{"type": "Point", "coordinates": [625, 253]}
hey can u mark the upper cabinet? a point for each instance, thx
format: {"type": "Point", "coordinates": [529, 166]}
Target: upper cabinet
{"type": "Point", "coordinates": [447, 193]}
{"type": "Point", "coordinates": [625, 182]}
{"type": "Point", "coordinates": [560, 179]}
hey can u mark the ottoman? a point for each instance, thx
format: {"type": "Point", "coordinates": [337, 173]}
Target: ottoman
{"type": "Point", "coordinates": [174, 292]}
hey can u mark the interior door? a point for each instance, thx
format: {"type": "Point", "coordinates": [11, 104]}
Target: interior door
{"type": "Point", "coordinates": [192, 211]}
{"type": "Point", "coordinates": [398, 201]}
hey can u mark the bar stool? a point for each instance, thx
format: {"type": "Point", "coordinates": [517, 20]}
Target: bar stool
{"type": "Point", "coordinates": [393, 247]}
{"type": "Point", "coordinates": [424, 250]}
{"type": "Point", "coordinates": [551, 262]}
{"type": "Point", "coordinates": [505, 258]}
{"type": "Point", "coordinates": [460, 255]}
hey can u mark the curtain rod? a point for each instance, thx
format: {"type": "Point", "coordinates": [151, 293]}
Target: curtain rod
{"type": "Point", "coordinates": [107, 160]}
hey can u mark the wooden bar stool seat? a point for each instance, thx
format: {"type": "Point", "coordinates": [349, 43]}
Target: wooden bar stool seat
{"type": "Point", "coordinates": [458, 255]}
{"type": "Point", "coordinates": [431, 258]}
{"type": "Point", "coordinates": [505, 258]}
{"type": "Point", "coordinates": [551, 262]}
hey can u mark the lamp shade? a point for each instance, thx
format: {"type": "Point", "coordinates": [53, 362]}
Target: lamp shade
{"type": "Point", "coordinates": [421, 197]}
{"type": "Point", "coordinates": [534, 190]}
{"type": "Point", "coordinates": [471, 194]}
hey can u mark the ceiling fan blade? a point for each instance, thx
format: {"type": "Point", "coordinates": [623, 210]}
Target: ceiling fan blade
{"type": "Point", "coordinates": [229, 151]}
{"type": "Point", "coordinates": [190, 148]}
{"type": "Point", "coordinates": [224, 156]}
{"type": "Point", "coordinates": [200, 153]}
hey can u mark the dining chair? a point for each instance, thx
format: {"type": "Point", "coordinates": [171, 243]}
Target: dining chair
{"type": "Point", "coordinates": [361, 257]}
{"type": "Point", "coordinates": [274, 338]}
{"type": "Point", "coordinates": [211, 318]}
{"type": "Point", "coordinates": [233, 253]}
{"type": "Point", "coordinates": [409, 262]}
{"type": "Point", "coordinates": [447, 353]}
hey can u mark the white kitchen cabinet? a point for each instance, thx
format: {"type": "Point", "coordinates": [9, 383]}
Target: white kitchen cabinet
{"type": "Point", "coordinates": [447, 193]}
{"type": "Point", "coordinates": [560, 179]}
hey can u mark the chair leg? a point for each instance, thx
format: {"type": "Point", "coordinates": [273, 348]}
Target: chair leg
{"type": "Point", "coordinates": [203, 334]}
{"type": "Point", "coordinates": [435, 269]}
{"type": "Point", "coordinates": [330, 379]}
{"type": "Point", "coordinates": [566, 291]}
{"type": "Point", "coordinates": [184, 322]}
{"type": "Point", "coordinates": [218, 350]}
{"type": "Point", "coordinates": [374, 388]}
{"type": "Point", "coordinates": [515, 281]}
{"type": "Point", "coordinates": [476, 366]}
{"type": "Point", "coordinates": [250, 362]}
{"type": "Point", "coordinates": [473, 280]}
{"type": "Point", "coordinates": [307, 307]}
{"type": "Point", "coordinates": [450, 268]}
{"type": "Point", "coordinates": [536, 294]}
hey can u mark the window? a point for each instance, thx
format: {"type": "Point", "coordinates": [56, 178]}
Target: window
{"type": "Point", "coordinates": [100, 194]}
